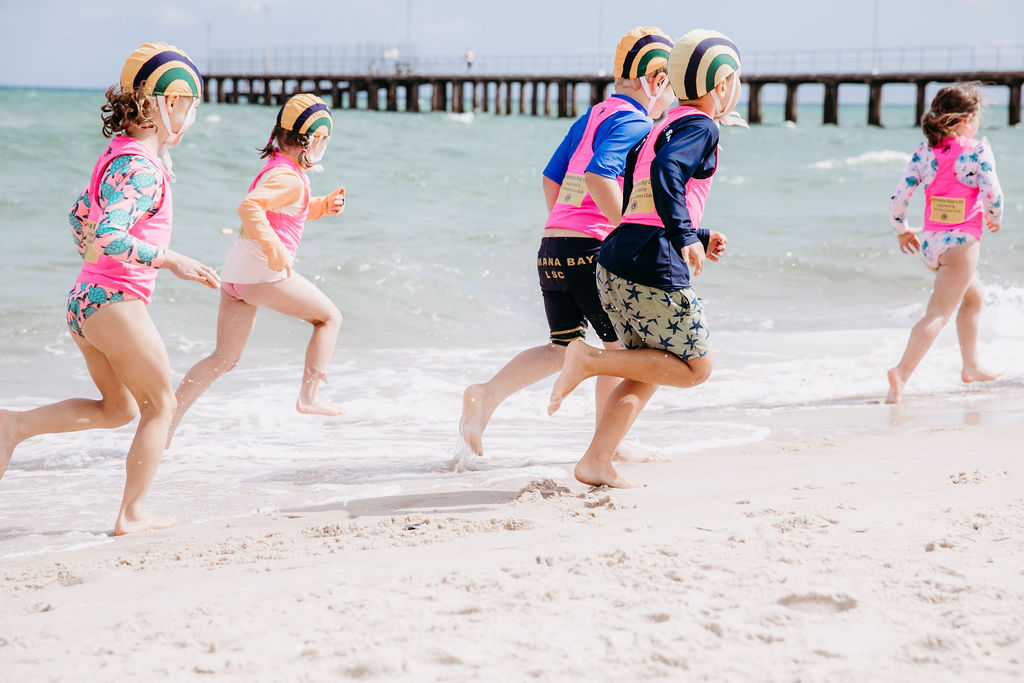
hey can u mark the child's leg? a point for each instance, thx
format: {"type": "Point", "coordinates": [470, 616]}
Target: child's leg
{"type": "Point", "coordinates": [235, 321]}
{"type": "Point", "coordinates": [125, 334]}
{"type": "Point", "coordinates": [968, 320]}
{"type": "Point", "coordinates": [115, 408]}
{"type": "Point", "coordinates": [649, 366]}
{"type": "Point", "coordinates": [605, 385]}
{"type": "Point", "coordinates": [299, 298]}
{"type": "Point", "coordinates": [956, 268]}
{"type": "Point", "coordinates": [480, 400]}
{"type": "Point", "coordinates": [624, 405]}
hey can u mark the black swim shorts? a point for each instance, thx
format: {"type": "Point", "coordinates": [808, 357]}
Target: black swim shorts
{"type": "Point", "coordinates": [566, 267]}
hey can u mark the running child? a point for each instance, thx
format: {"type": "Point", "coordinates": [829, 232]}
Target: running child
{"type": "Point", "coordinates": [122, 227]}
{"type": "Point", "coordinates": [258, 268]}
{"type": "Point", "coordinates": [583, 189]}
{"type": "Point", "coordinates": [646, 264]}
{"type": "Point", "coordinates": [962, 194]}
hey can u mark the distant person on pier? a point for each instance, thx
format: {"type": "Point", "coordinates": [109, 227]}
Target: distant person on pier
{"type": "Point", "coordinates": [582, 186]}
{"type": "Point", "coordinates": [962, 195]}
{"type": "Point", "coordinates": [469, 60]}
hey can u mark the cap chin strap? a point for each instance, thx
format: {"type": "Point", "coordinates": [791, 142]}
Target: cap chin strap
{"type": "Point", "coordinates": [652, 97]}
{"type": "Point", "coordinates": [727, 115]}
{"type": "Point", "coordinates": [173, 138]}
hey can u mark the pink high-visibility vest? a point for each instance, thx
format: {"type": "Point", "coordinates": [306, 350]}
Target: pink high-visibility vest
{"type": "Point", "coordinates": [640, 208]}
{"type": "Point", "coordinates": [949, 204]}
{"type": "Point", "coordinates": [575, 208]}
{"type": "Point", "coordinates": [288, 228]}
{"type": "Point", "coordinates": [98, 269]}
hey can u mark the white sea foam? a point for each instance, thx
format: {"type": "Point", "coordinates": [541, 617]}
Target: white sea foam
{"type": "Point", "coordinates": [885, 157]}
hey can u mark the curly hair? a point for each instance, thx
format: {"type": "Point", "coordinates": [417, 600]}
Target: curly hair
{"type": "Point", "coordinates": [126, 109]}
{"type": "Point", "coordinates": [952, 105]}
{"type": "Point", "coordinates": [287, 138]}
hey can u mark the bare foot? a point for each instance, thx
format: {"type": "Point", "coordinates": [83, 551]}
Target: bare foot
{"type": "Point", "coordinates": [896, 384]}
{"type": "Point", "coordinates": [134, 523]}
{"type": "Point", "coordinates": [577, 353]}
{"type": "Point", "coordinates": [8, 439]}
{"type": "Point", "coordinates": [318, 406]}
{"type": "Point", "coordinates": [476, 412]}
{"type": "Point", "coordinates": [590, 471]}
{"type": "Point", "coordinates": [978, 374]}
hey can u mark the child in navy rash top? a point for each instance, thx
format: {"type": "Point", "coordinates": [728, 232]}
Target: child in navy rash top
{"type": "Point", "coordinates": [582, 186]}
{"type": "Point", "coordinates": [649, 254]}
{"type": "Point", "coordinates": [645, 264]}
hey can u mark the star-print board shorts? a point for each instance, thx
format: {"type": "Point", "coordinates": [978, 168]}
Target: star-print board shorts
{"type": "Point", "coordinates": [651, 318]}
{"type": "Point", "coordinates": [565, 266]}
{"type": "Point", "coordinates": [935, 244]}
{"type": "Point", "coordinates": [84, 299]}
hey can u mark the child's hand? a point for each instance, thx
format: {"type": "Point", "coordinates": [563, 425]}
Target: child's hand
{"type": "Point", "coordinates": [716, 246]}
{"type": "Point", "coordinates": [910, 243]}
{"type": "Point", "coordinates": [279, 259]}
{"type": "Point", "coordinates": [693, 254]}
{"type": "Point", "coordinates": [334, 203]}
{"type": "Point", "coordinates": [992, 226]}
{"type": "Point", "coordinates": [189, 269]}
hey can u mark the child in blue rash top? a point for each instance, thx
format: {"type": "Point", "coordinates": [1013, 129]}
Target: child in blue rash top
{"type": "Point", "coordinates": [582, 186]}
{"type": "Point", "coordinates": [645, 265]}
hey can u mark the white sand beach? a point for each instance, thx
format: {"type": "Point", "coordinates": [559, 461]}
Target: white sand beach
{"type": "Point", "coordinates": [892, 556]}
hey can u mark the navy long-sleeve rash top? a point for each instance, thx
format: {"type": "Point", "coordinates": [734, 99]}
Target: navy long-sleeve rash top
{"type": "Point", "coordinates": [651, 255]}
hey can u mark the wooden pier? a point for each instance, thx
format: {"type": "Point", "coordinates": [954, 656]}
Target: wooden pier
{"type": "Point", "coordinates": [557, 95]}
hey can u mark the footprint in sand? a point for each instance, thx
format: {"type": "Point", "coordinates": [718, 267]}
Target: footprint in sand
{"type": "Point", "coordinates": [815, 603]}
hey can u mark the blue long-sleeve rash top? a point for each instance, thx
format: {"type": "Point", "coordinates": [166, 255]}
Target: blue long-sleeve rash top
{"type": "Point", "coordinates": [613, 140]}
{"type": "Point", "coordinates": [651, 255]}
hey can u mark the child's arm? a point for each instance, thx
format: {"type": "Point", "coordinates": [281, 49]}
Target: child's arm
{"type": "Point", "coordinates": [130, 189]}
{"type": "Point", "coordinates": [551, 190]}
{"type": "Point", "coordinates": [329, 205]}
{"type": "Point", "coordinates": [678, 159]}
{"type": "Point", "coordinates": [988, 185]}
{"type": "Point", "coordinates": [912, 178]}
{"type": "Point", "coordinates": [77, 217]}
{"type": "Point", "coordinates": [275, 191]}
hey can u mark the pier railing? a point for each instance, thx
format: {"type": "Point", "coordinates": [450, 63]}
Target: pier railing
{"type": "Point", "coordinates": [367, 78]}
{"type": "Point", "coordinates": [367, 59]}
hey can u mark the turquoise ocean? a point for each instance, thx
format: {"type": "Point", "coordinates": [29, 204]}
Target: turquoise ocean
{"type": "Point", "coordinates": [433, 267]}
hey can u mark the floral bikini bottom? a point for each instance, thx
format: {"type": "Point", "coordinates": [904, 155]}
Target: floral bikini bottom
{"type": "Point", "coordinates": [935, 244]}
{"type": "Point", "coordinates": [84, 299]}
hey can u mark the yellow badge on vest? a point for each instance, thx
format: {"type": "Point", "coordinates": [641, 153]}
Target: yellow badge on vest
{"type": "Point", "coordinates": [574, 189]}
{"type": "Point", "coordinates": [91, 255]}
{"type": "Point", "coordinates": [641, 199]}
{"type": "Point", "coordinates": [947, 210]}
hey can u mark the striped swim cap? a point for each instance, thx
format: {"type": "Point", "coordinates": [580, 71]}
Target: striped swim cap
{"type": "Point", "coordinates": [305, 114]}
{"type": "Point", "coordinates": [699, 62]}
{"type": "Point", "coordinates": [164, 69]}
{"type": "Point", "coordinates": [642, 51]}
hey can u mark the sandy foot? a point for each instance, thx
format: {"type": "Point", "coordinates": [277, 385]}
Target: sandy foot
{"type": "Point", "coordinates": [573, 372]}
{"type": "Point", "coordinates": [316, 407]}
{"type": "Point", "coordinates": [127, 524]}
{"type": "Point", "coordinates": [601, 474]}
{"type": "Point", "coordinates": [979, 374]}
{"type": "Point", "coordinates": [895, 387]}
{"type": "Point", "coordinates": [476, 412]}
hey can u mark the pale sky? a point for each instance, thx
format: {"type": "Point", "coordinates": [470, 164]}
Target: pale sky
{"type": "Point", "coordinates": [65, 43]}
